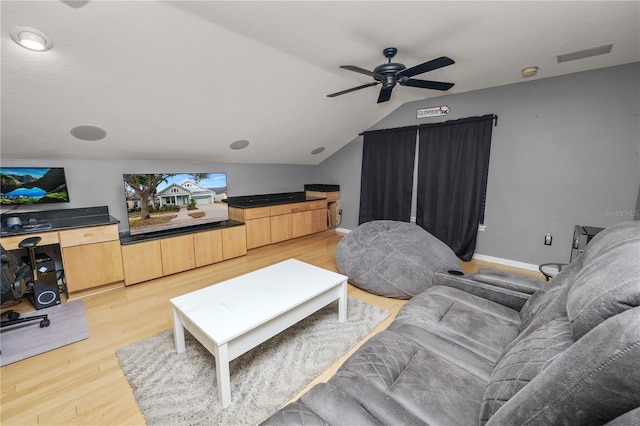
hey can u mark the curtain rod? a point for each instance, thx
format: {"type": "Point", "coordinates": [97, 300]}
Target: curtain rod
{"type": "Point", "coordinates": [494, 117]}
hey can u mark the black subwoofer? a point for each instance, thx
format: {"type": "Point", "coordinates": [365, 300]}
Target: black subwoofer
{"type": "Point", "coordinates": [45, 295]}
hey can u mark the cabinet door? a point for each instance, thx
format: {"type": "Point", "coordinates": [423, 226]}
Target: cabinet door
{"type": "Point", "coordinates": [90, 235]}
{"type": "Point", "coordinates": [280, 228]}
{"type": "Point", "coordinates": [258, 232]}
{"type": "Point", "coordinates": [208, 247]}
{"type": "Point", "coordinates": [319, 219]}
{"type": "Point", "coordinates": [92, 265]}
{"type": "Point", "coordinates": [178, 254]}
{"type": "Point", "coordinates": [234, 242]}
{"type": "Point", "coordinates": [142, 262]}
{"type": "Point", "coordinates": [301, 224]}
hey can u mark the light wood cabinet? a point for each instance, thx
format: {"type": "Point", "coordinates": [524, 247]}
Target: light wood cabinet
{"type": "Point", "coordinates": [234, 242]}
{"type": "Point", "coordinates": [273, 224]}
{"type": "Point", "coordinates": [208, 247]}
{"type": "Point", "coordinates": [142, 262]}
{"type": "Point", "coordinates": [92, 265]}
{"type": "Point", "coordinates": [47, 238]}
{"type": "Point", "coordinates": [319, 220]}
{"type": "Point", "coordinates": [91, 257]}
{"type": "Point", "coordinates": [281, 228]}
{"type": "Point", "coordinates": [178, 254]}
{"type": "Point", "coordinates": [301, 224]}
{"type": "Point", "coordinates": [258, 232]}
{"type": "Point", "coordinates": [333, 205]}
{"type": "Point", "coordinates": [147, 260]}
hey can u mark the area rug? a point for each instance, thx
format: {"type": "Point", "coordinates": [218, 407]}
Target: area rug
{"type": "Point", "coordinates": [180, 389]}
{"type": "Point", "coordinates": [21, 341]}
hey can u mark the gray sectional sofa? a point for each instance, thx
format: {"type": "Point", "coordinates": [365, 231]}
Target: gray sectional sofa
{"type": "Point", "coordinates": [569, 353]}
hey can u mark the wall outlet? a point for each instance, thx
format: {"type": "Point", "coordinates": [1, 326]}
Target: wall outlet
{"type": "Point", "coordinates": [548, 239]}
{"type": "Point", "coordinates": [340, 212]}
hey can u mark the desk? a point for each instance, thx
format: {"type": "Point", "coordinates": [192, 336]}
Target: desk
{"type": "Point", "coordinates": [89, 243]}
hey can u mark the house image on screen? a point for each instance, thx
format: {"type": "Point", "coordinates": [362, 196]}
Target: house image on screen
{"type": "Point", "coordinates": [181, 195]}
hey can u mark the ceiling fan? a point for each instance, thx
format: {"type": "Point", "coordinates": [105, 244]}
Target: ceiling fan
{"type": "Point", "coordinates": [391, 73]}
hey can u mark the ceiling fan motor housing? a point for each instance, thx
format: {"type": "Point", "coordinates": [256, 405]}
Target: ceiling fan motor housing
{"type": "Point", "coordinates": [386, 73]}
{"type": "Point", "coordinates": [393, 73]}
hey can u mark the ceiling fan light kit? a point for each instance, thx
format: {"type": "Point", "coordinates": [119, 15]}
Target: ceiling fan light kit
{"type": "Point", "coordinates": [393, 73]}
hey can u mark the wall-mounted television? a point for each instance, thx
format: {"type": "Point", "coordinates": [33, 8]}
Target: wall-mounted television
{"type": "Point", "coordinates": [163, 201]}
{"type": "Point", "coordinates": [33, 185]}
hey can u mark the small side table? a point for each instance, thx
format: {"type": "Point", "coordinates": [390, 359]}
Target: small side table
{"type": "Point", "coordinates": [550, 270]}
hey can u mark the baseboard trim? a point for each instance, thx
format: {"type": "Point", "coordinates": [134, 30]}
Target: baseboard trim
{"type": "Point", "coordinates": [506, 262]}
{"type": "Point", "coordinates": [483, 257]}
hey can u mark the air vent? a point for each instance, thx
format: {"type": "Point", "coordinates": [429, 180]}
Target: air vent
{"type": "Point", "coordinates": [587, 53]}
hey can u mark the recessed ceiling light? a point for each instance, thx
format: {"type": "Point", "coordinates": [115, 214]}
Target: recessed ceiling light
{"type": "Point", "coordinates": [31, 38]}
{"type": "Point", "coordinates": [529, 72]}
{"type": "Point", "coordinates": [318, 150]}
{"type": "Point", "coordinates": [87, 132]}
{"type": "Point", "coordinates": [240, 144]}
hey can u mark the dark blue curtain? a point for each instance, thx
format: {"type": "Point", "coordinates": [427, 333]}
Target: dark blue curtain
{"type": "Point", "coordinates": [453, 165]}
{"type": "Point", "coordinates": [387, 175]}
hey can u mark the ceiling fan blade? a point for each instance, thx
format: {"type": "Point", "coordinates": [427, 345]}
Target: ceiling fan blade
{"type": "Point", "coordinates": [427, 84]}
{"type": "Point", "coordinates": [385, 94]}
{"type": "Point", "coordinates": [357, 69]}
{"type": "Point", "coordinates": [431, 65]}
{"type": "Point", "coordinates": [353, 89]}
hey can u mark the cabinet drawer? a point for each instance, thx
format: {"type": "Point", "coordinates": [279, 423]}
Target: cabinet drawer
{"type": "Point", "coordinates": [95, 234]}
{"type": "Point", "coordinates": [257, 212]}
{"type": "Point", "coordinates": [281, 209]}
{"type": "Point", "coordinates": [301, 207]}
{"type": "Point", "coordinates": [11, 243]}
{"type": "Point", "coordinates": [321, 204]}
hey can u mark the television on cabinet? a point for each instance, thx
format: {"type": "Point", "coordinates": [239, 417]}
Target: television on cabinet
{"type": "Point", "coordinates": [33, 185]}
{"type": "Point", "coordinates": [164, 201]}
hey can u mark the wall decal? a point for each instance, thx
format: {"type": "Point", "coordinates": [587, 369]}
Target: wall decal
{"type": "Point", "coordinates": [432, 112]}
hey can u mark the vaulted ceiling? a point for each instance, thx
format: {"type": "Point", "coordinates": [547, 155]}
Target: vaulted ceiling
{"type": "Point", "coordinates": [184, 79]}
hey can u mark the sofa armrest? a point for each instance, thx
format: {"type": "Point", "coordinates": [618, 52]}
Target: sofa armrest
{"type": "Point", "coordinates": [508, 280]}
{"type": "Point", "coordinates": [504, 296]}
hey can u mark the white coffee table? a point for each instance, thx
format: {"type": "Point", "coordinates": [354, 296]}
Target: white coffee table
{"type": "Point", "coordinates": [235, 316]}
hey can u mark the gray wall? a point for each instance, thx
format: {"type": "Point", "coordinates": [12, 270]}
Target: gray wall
{"type": "Point", "coordinates": [565, 152]}
{"type": "Point", "coordinates": [99, 183]}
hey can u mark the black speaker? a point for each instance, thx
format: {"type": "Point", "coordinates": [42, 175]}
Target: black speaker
{"type": "Point", "coordinates": [45, 295]}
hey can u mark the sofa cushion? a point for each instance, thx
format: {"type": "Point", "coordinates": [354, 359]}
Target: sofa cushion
{"type": "Point", "coordinates": [393, 259]}
{"type": "Point", "coordinates": [594, 381]}
{"type": "Point", "coordinates": [295, 413]}
{"type": "Point", "coordinates": [420, 384]}
{"type": "Point", "coordinates": [609, 283]}
{"type": "Point", "coordinates": [522, 362]}
{"type": "Point", "coordinates": [479, 326]}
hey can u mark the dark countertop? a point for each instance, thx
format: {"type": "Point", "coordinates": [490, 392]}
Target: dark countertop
{"type": "Point", "coordinates": [320, 187]}
{"type": "Point", "coordinates": [264, 200]}
{"type": "Point", "coordinates": [126, 238]}
{"type": "Point", "coordinates": [55, 220]}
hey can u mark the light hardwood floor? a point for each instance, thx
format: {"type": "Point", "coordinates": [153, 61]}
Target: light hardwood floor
{"type": "Point", "coordinates": [83, 384]}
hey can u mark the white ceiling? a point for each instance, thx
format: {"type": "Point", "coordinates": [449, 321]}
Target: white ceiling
{"type": "Point", "coordinates": [182, 80]}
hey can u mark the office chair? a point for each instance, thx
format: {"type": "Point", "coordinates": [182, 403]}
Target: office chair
{"type": "Point", "coordinates": [14, 285]}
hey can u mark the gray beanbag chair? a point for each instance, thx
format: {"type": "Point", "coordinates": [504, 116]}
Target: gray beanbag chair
{"type": "Point", "coordinates": [393, 259]}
